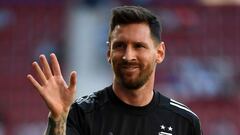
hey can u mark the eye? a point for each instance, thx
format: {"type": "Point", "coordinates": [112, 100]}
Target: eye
{"type": "Point", "coordinates": [139, 45]}
{"type": "Point", "coordinates": [118, 45]}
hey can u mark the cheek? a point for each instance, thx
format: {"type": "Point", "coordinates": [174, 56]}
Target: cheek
{"type": "Point", "coordinates": [115, 56]}
{"type": "Point", "coordinates": [115, 59]}
{"type": "Point", "coordinates": [147, 58]}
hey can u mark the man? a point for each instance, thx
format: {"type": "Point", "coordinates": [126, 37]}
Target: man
{"type": "Point", "coordinates": [130, 106]}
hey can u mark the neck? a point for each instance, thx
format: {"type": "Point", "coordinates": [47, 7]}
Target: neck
{"type": "Point", "coordinates": [135, 97]}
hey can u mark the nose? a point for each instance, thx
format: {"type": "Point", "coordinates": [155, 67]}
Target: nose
{"type": "Point", "coordinates": [129, 54]}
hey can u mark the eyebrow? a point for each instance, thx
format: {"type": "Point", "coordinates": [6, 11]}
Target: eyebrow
{"type": "Point", "coordinates": [141, 42]}
{"type": "Point", "coordinates": [124, 41]}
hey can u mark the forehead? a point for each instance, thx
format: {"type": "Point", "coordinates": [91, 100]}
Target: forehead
{"type": "Point", "coordinates": [139, 32]}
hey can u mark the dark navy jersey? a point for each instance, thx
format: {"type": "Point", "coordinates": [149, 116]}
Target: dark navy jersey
{"type": "Point", "coordinates": [103, 113]}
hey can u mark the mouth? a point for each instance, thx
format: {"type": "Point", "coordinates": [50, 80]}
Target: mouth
{"type": "Point", "coordinates": [130, 68]}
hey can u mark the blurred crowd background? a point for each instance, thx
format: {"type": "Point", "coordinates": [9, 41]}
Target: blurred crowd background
{"type": "Point", "coordinates": [201, 69]}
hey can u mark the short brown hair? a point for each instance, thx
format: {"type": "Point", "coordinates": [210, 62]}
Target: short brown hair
{"type": "Point", "coordinates": [135, 14]}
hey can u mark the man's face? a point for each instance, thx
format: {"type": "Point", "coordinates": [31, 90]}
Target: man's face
{"type": "Point", "coordinates": [133, 54]}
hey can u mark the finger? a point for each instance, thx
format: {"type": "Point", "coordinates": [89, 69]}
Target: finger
{"type": "Point", "coordinates": [34, 82]}
{"type": "Point", "coordinates": [39, 72]}
{"type": "Point", "coordinates": [73, 80]}
{"type": "Point", "coordinates": [46, 68]}
{"type": "Point", "coordinates": [55, 65]}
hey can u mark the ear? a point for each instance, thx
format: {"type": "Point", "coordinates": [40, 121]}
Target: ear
{"type": "Point", "coordinates": [160, 52]}
{"type": "Point", "coordinates": [108, 55]}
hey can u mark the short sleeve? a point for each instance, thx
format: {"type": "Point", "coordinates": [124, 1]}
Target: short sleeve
{"type": "Point", "coordinates": [197, 127]}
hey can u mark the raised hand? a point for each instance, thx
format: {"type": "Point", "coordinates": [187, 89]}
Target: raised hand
{"type": "Point", "coordinates": [57, 95]}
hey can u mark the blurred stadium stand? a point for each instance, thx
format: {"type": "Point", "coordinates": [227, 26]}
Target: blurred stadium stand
{"type": "Point", "coordinates": [23, 29]}
{"type": "Point", "coordinates": [201, 67]}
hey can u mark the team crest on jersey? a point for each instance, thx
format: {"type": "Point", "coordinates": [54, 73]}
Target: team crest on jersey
{"type": "Point", "coordinates": [165, 130]}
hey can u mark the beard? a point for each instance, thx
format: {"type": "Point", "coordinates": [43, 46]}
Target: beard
{"type": "Point", "coordinates": [134, 80]}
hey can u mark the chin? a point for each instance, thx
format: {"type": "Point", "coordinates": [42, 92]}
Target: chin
{"type": "Point", "coordinates": [132, 85]}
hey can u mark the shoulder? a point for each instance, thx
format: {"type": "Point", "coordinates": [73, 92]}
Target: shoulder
{"type": "Point", "coordinates": [179, 109]}
{"type": "Point", "coordinates": [90, 102]}
{"type": "Point", "coordinates": [80, 114]}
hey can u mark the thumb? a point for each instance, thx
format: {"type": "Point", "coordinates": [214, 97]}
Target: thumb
{"type": "Point", "coordinates": [73, 80]}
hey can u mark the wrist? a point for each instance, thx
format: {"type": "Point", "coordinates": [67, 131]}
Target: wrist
{"type": "Point", "coordinates": [56, 126]}
{"type": "Point", "coordinates": [58, 117]}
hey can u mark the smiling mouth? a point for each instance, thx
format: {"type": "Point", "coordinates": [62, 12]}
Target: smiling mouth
{"type": "Point", "coordinates": [130, 68]}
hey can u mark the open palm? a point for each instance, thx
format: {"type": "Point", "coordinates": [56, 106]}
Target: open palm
{"type": "Point", "coordinates": [52, 87]}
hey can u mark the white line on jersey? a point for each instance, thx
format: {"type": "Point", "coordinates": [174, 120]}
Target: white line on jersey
{"type": "Point", "coordinates": [172, 100]}
{"type": "Point", "coordinates": [182, 107]}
